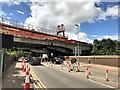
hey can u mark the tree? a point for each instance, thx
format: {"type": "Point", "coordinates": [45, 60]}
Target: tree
{"type": "Point", "coordinates": [106, 47]}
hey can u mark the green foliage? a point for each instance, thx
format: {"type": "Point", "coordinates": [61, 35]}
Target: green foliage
{"type": "Point", "coordinates": [18, 53]}
{"type": "Point", "coordinates": [106, 47]}
{"type": "Point", "coordinates": [14, 53]}
{"type": "Point", "coordinates": [11, 53]}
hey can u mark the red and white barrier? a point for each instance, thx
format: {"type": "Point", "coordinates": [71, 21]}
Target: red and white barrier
{"type": "Point", "coordinates": [107, 75]}
{"type": "Point", "coordinates": [27, 83]}
{"type": "Point", "coordinates": [78, 67]}
{"type": "Point", "coordinates": [87, 74]}
{"type": "Point", "coordinates": [27, 70]}
{"type": "Point", "coordinates": [69, 69]}
{"type": "Point", "coordinates": [24, 69]}
{"type": "Point", "coordinates": [22, 65]}
{"type": "Point", "coordinates": [89, 70]}
{"type": "Point", "coordinates": [23, 62]}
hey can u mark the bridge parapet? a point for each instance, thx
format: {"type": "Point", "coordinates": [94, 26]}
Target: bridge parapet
{"type": "Point", "coordinates": [26, 26]}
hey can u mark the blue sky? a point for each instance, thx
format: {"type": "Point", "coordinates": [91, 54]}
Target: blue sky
{"type": "Point", "coordinates": [105, 25]}
{"type": "Point", "coordinates": [108, 27]}
{"type": "Point", "coordinates": [22, 7]}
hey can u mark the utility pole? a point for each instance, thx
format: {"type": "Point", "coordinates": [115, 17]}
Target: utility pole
{"type": "Point", "coordinates": [78, 38]}
{"type": "Point", "coordinates": [75, 52]}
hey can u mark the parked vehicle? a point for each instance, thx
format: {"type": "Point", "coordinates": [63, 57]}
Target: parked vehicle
{"type": "Point", "coordinates": [20, 59]}
{"type": "Point", "coordinates": [44, 57]}
{"type": "Point", "coordinates": [57, 60]}
{"type": "Point", "coordinates": [62, 57]}
{"type": "Point", "coordinates": [35, 61]}
{"type": "Point", "coordinates": [27, 59]}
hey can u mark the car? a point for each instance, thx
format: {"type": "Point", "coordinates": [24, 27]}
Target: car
{"type": "Point", "coordinates": [56, 60]}
{"type": "Point", "coordinates": [27, 59]}
{"type": "Point", "coordinates": [35, 61]}
{"type": "Point", "coordinates": [62, 57]}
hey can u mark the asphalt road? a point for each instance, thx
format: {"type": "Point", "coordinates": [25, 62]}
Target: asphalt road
{"type": "Point", "coordinates": [56, 78]}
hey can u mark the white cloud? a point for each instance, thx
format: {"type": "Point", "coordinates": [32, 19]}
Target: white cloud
{"type": "Point", "coordinates": [111, 11]}
{"type": "Point", "coordinates": [21, 12]}
{"type": "Point", "coordinates": [113, 37]}
{"type": "Point", "coordinates": [82, 37]}
{"type": "Point", "coordinates": [51, 14]}
{"type": "Point", "coordinates": [94, 36]}
{"type": "Point", "coordinates": [12, 2]}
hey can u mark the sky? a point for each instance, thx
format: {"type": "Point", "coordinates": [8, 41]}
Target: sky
{"type": "Point", "coordinates": [97, 19]}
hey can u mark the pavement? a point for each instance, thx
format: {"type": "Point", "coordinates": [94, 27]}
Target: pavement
{"type": "Point", "coordinates": [13, 78]}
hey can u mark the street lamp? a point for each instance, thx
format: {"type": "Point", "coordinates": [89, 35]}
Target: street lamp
{"type": "Point", "coordinates": [77, 37]}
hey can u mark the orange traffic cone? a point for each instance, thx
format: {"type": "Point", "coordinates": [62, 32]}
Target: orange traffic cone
{"type": "Point", "coordinates": [27, 83]}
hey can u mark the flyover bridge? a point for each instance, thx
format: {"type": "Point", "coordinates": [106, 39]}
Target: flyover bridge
{"type": "Point", "coordinates": [37, 38]}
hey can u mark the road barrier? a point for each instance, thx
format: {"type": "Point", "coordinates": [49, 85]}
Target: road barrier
{"type": "Point", "coordinates": [78, 67]}
{"type": "Point", "coordinates": [107, 75]}
{"type": "Point", "coordinates": [24, 69]}
{"type": "Point", "coordinates": [89, 70]}
{"type": "Point", "coordinates": [69, 69]}
{"type": "Point", "coordinates": [87, 74]}
{"type": "Point", "coordinates": [27, 83]}
{"type": "Point", "coordinates": [27, 70]}
{"type": "Point", "coordinates": [23, 61]}
{"type": "Point", "coordinates": [22, 65]}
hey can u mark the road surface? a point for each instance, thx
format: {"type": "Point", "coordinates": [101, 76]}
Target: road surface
{"type": "Point", "coordinates": [52, 77]}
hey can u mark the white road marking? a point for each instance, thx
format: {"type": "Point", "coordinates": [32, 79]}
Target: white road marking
{"type": "Point", "coordinates": [101, 83]}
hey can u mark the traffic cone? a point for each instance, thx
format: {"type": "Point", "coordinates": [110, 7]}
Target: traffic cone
{"type": "Point", "coordinates": [78, 67]}
{"type": "Point", "coordinates": [107, 75]}
{"type": "Point", "coordinates": [69, 68]}
{"type": "Point", "coordinates": [89, 70]}
{"type": "Point", "coordinates": [22, 65]}
{"type": "Point", "coordinates": [27, 83]}
{"type": "Point", "coordinates": [24, 69]}
{"type": "Point", "coordinates": [87, 75]}
{"type": "Point", "coordinates": [27, 71]}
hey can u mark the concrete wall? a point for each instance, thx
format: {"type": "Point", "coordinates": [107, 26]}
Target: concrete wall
{"type": "Point", "coordinates": [8, 60]}
{"type": "Point", "coordinates": [102, 60]}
